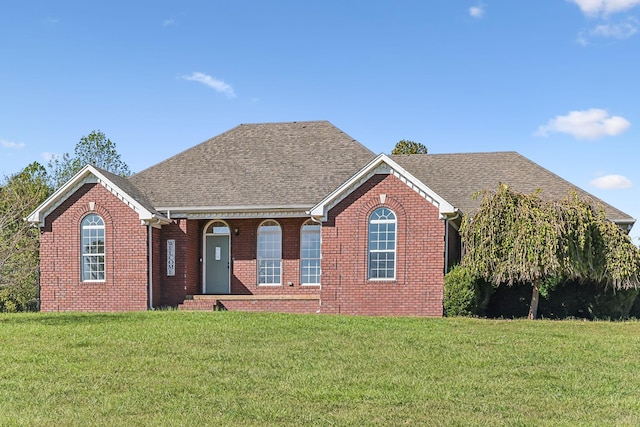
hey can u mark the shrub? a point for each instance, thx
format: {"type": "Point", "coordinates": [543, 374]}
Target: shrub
{"type": "Point", "coordinates": [569, 299]}
{"type": "Point", "coordinates": [613, 304]}
{"type": "Point", "coordinates": [465, 295]}
{"type": "Point", "coordinates": [20, 297]}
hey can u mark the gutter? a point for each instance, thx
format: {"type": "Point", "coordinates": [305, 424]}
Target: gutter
{"type": "Point", "coordinates": [625, 224]}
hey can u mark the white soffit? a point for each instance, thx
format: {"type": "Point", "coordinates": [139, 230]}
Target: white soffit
{"type": "Point", "coordinates": [89, 175]}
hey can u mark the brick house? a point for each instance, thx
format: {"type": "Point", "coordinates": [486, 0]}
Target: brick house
{"type": "Point", "coordinates": [290, 217]}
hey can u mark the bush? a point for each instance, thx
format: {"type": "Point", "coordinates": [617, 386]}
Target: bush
{"type": "Point", "coordinates": [569, 299]}
{"type": "Point", "coordinates": [465, 295]}
{"type": "Point", "coordinates": [22, 297]}
{"type": "Point", "coordinates": [611, 304]}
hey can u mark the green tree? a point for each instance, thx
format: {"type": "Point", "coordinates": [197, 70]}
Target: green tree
{"type": "Point", "coordinates": [19, 241]}
{"type": "Point", "coordinates": [409, 147]}
{"type": "Point", "coordinates": [95, 149]}
{"type": "Point", "coordinates": [515, 237]}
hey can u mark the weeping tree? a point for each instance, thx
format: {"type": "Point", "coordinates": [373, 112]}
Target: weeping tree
{"type": "Point", "coordinates": [521, 238]}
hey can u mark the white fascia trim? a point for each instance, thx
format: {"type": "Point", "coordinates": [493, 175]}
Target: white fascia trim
{"type": "Point", "coordinates": [88, 175]}
{"type": "Point", "coordinates": [235, 212]}
{"type": "Point", "coordinates": [381, 165]}
{"type": "Point", "coordinates": [624, 223]}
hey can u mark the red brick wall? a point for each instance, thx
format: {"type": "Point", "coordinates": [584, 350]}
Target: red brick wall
{"type": "Point", "coordinates": [156, 267]}
{"type": "Point", "coordinates": [244, 273]}
{"type": "Point", "coordinates": [418, 287]}
{"type": "Point", "coordinates": [188, 235]}
{"type": "Point", "coordinates": [125, 287]}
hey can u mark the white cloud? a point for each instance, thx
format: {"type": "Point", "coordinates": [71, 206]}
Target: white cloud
{"type": "Point", "coordinates": [168, 22]}
{"type": "Point", "coordinates": [588, 124]}
{"type": "Point", "coordinates": [623, 30]}
{"type": "Point", "coordinates": [610, 182]}
{"type": "Point", "coordinates": [604, 7]}
{"type": "Point", "coordinates": [582, 39]}
{"type": "Point", "coordinates": [47, 156]}
{"type": "Point", "coordinates": [212, 82]}
{"type": "Point", "coordinates": [477, 11]}
{"type": "Point", "coordinates": [15, 145]}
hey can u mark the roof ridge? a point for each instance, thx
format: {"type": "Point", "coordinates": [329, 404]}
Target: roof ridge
{"type": "Point", "coordinates": [285, 123]}
{"type": "Point", "coordinates": [475, 153]}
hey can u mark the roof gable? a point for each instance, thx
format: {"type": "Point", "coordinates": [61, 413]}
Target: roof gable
{"type": "Point", "coordinates": [381, 165]}
{"type": "Point", "coordinates": [118, 186]}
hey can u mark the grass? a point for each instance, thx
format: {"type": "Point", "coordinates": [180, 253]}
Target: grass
{"type": "Point", "coordinates": [229, 368]}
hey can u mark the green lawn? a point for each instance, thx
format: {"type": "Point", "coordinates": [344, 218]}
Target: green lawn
{"type": "Point", "coordinates": [229, 368]}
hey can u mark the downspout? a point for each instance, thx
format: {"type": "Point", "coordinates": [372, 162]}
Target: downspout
{"type": "Point", "coordinates": [150, 263]}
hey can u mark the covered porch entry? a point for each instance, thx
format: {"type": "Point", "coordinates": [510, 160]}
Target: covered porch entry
{"type": "Point", "coordinates": [229, 272]}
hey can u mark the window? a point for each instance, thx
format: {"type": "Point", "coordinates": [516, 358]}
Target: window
{"type": "Point", "coordinates": [92, 231]}
{"type": "Point", "coordinates": [310, 253]}
{"type": "Point", "coordinates": [269, 253]}
{"type": "Point", "coordinates": [382, 244]}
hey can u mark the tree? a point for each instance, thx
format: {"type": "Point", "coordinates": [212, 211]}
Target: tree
{"type": "Point", "coordinates": [19, 241]}
{"type": "Point", "coordinates": [515, 237]}
{"type": "Point", "coordinates": [409, 147]}
{"type": "Point", "coordinates": [95, 149]}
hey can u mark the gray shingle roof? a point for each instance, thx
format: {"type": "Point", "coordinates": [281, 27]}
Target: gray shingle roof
{"type": "Point", "coordinates": [297, 164]}
{"type": "Point", "coordinates": [271, 164]}
{"type": "Point", "coordinates": [125, 185]}
{"type": "Point", "coordinates": [456, 177]}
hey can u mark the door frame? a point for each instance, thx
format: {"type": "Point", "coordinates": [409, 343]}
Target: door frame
{"type": "Point", "coordinates": [204, 251]}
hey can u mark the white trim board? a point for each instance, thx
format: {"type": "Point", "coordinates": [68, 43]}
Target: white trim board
{"type": "Point", "coordinates": [386, 166]}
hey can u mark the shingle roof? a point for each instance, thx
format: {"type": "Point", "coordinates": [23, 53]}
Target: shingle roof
{"type": "Point", "coordinates": [271, 164]}
{"type": "Point", "coordinates": [125, 185]}
{"type": "Point", "coordinates": [456, 177]}
{"type": "Point", "coordinates": [297, 164]}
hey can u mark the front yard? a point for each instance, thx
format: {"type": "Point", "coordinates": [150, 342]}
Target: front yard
{"type": "Point", "coordinates": [230, 368]}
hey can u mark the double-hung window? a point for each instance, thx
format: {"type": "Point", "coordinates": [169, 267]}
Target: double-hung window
{"type": "Point", "coordinates": [382, 244]}
{"type": "Point", "coordinates": [93, 250]}
{"type": "Point", "coordinates": [310, 253]}
{"type": "Point", "coordinates": [269, 253]}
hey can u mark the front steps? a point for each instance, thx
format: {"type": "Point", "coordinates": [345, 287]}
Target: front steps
{"type": "Point", "coordinates": [306, 303]}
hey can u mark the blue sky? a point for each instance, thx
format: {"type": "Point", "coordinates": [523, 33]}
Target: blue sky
{"type": "Point", "coordinates": [556, 80]}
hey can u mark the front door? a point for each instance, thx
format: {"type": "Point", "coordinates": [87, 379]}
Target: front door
{"type": "Point", "coordinates": [217, 266]}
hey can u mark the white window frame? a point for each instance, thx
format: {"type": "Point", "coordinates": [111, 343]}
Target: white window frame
{"type": "Point", "coordinates": [269, 258]}
{"type": "Point", "coordinates": [383, 225]}
{"type": "Point", "coordinates": [90, 235]}
{"type": "Point", "coordinates": [313, 255]}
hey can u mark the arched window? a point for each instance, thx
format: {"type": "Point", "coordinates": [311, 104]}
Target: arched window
{"type": "Point", "coordinates": [310, 253]}
{"type": "Point", "coordinates": [382, 244]}
{"type": "Point", "coordinates": [92, 235]}
{"type": "Point", "coordinates": [269, 253]}
{"type": "Point", "coordinates": [218, 227]}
